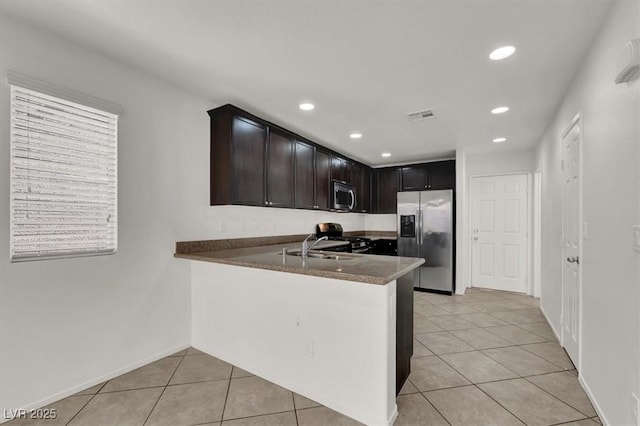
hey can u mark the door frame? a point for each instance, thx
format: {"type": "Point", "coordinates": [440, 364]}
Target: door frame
{"type": "Point", "coordinates": [576, 121]}
{"type": "Point", "coordinates": [469, 235]}
{"type": "Point", "coordinates": [536, 243]}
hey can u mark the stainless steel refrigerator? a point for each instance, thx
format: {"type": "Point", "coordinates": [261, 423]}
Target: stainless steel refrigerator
{"type": "Point", "coordinates": [425, 229]}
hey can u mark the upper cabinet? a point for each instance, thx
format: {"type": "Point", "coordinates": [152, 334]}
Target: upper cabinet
{"type": "Point", "coordinates": [361, 181]}
{"type": "Point", "coordinates": [323, 180]}
{"type": "Point", "coordinates": [388, 185]}
{"type": "Point", "coordinates": [434, 175]}
{"type": "Point", "coordinates": [312, 177]}
{"type": "Point", "coordinates": [341, 169]}
{"type": "Point", "coordinates": [279, 166]}
{"type": "Point", "coordinates": [257, 163]}
{"type": "Point", "coordinates": [442, 175]}
{"type": "Point", "coordinates": [304, 176]}
{"type": "Point", "coordinates": [237, 161]}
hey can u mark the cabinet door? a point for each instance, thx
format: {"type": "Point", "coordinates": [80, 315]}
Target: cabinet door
{"type": "Point", "coordinates": [347, 171]}
{"type": "Point", "coordinates": [280, 169]}
{"type": "Point", "coordinates": [337, 168]}
{"type": "Point", "coordinates": [304, 176]}
{"type": "Point", "coordinates": [248, 156]}
{"type": "Point", "coordinates": [366, 190]}
{"type": "Point", "coordinates": [388, 187]}
{"type": "Point", "coordinates": [414, 178]}
{"type": "Point", "coordinates": [357, 181]}
{"type": "Point", "coordinates": [442, 175]}
{"type": "Point", "coordinates": [323, 179]}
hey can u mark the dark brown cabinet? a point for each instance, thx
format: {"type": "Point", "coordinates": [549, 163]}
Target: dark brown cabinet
{"type": "Point", "coordinates": [435, 175]}
{"type": "Point", "coordinates": [341, 169]}
{"type": "Point", "coordinates": [414, 178]}
{"type": "Point", "coordinates": [356, 179]}
{"type": "Point", "coordinates": [323, 180]}
{"type": "Point", "coordinates": [237, 162]}
{"type": "Point", "coordinates": [257, 163]}
{"type": "Point", "coordinates": [388, 185]}
{"type": "Point", "coordinates": [312, 177]}
{"type": "Point", "coordinates": [247, 152]}
{"type": "Point", "coordinates": [367, 204]}
{"type": "Point", "coordinates": [442, 175]}
{"type": "Point", "coordinates": [304, 176]}
{"type": "Point", "coordinates": [279, 167]}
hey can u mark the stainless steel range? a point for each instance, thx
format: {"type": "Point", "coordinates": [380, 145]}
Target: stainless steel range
{"type": "Point", "coordinates": [333, 231]}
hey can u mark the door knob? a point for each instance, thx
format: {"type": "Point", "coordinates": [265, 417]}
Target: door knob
{"type": "Point", "coordinates": [475, 238]}
{"type": "Point", "coordinates": [573, 260]}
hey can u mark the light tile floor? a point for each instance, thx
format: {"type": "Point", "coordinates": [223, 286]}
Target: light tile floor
{"type": "Point", "coordinates": [485, 358]}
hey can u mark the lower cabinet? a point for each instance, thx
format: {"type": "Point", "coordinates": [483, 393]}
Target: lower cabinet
{"type": "Point", "coordinates": [404, 327]}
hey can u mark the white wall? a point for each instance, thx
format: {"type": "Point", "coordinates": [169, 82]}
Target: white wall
{"type": "Point", "coordinates": [380, 222]}
{"type": "Point", "coordinates": [67, 324]}
{"type": "Point", "coordinates": [309, 337]}
{"type": "Point", "coordinates": [477, 164]}
{"type": "Point", "coordinates": [610, 268]}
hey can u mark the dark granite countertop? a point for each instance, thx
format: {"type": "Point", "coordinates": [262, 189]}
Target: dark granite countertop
{"type": "Point", "coordinates": [363, 268]}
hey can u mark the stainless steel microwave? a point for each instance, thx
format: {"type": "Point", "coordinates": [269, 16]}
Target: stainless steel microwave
{"type": "Point", "coordinates": [343, 196]}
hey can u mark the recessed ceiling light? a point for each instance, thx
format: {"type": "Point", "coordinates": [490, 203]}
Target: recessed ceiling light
{"type": "Point", "coordinates": [499, 110]}
{"type": "Point", "coordinates": [386, 154]}
{"type": "Point", "coordinates": [502, 53]}
{"type": "Point", "coordinates": [306, 106]}
{"type": "Point", "coordinates": [355, 135]}
{"type": "Point", "coordinates": [498, 140]}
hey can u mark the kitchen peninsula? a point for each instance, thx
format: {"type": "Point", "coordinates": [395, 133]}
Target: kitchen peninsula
{"type": "Point", "coordinates": [336, 328]}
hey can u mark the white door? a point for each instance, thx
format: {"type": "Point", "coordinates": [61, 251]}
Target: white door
{"type": "Point", "coordinates": [571, 238]}
{"type": "Point", "coordinates": [499, 232]}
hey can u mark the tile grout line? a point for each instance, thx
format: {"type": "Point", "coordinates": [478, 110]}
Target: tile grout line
{"type": "Point", "coordinates": [226, 396]}
{"type": "Point", "coordinates": [497, 402]}
{"type": "Point", "coordinates": [265, 414]}
{"type": "Point", "coordinates": [434, 407]}
{"type": "Point", "coordinates": [87, 403]}
{"type": "Point", "coordinates": [549, 361]}
{"type": "Point", "coordinates": [165, 388]}
{"type": "Point", "coordinates": [498, 362]}
{"type": "Point", "coordinates": [586, 416]}
{"type": "Point", "coordinates": [295, 409]}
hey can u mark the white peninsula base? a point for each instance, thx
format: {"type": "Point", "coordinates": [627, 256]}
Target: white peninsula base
{"type": "Point", "coordinates": [329, 340]}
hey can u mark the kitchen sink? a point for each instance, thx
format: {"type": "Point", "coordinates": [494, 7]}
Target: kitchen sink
{"type": "Point", "coordinates": [321, 255]}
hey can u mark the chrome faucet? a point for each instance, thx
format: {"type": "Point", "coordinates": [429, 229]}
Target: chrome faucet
{"type": "Point", "coordinates": [306, 247]}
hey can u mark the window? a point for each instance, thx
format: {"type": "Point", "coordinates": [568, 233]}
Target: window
{"type": "Point", "coordinates": [63, 177]}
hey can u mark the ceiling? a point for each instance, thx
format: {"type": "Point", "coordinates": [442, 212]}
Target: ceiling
{"type": "Point", "coordinates": [364, 64]}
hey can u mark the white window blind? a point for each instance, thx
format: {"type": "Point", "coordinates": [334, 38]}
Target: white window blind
{"type": "Point", "coordinates": [63, 177]}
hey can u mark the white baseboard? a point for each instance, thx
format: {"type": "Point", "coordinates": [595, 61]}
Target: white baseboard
{"type": "Point", "coordinates": [97, 380]}
{"type": "Point", "coordinates": [587, 390]}
{"type": "Point", "coordinates": [583, 383]}
{"type": "Point", "coordinates": [550, 323]}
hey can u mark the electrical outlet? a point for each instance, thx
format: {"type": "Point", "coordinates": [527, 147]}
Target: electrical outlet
{"type": "Point", "coordinates": [585, 231]}
{"type": "Point", "coordinates": [635, 407]}
{"type": "Point", "coordinates": [310, 349]}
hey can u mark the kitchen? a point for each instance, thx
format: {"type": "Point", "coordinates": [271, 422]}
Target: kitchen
{"type": "Point", "coordinates": [108, 315]}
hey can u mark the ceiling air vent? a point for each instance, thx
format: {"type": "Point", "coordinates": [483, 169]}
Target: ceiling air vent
{"type": "Point", "coordinates": [421, 115]}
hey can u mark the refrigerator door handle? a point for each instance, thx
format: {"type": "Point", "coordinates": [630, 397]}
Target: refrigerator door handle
{"type": "Point", "coordinates": [421, 218]}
